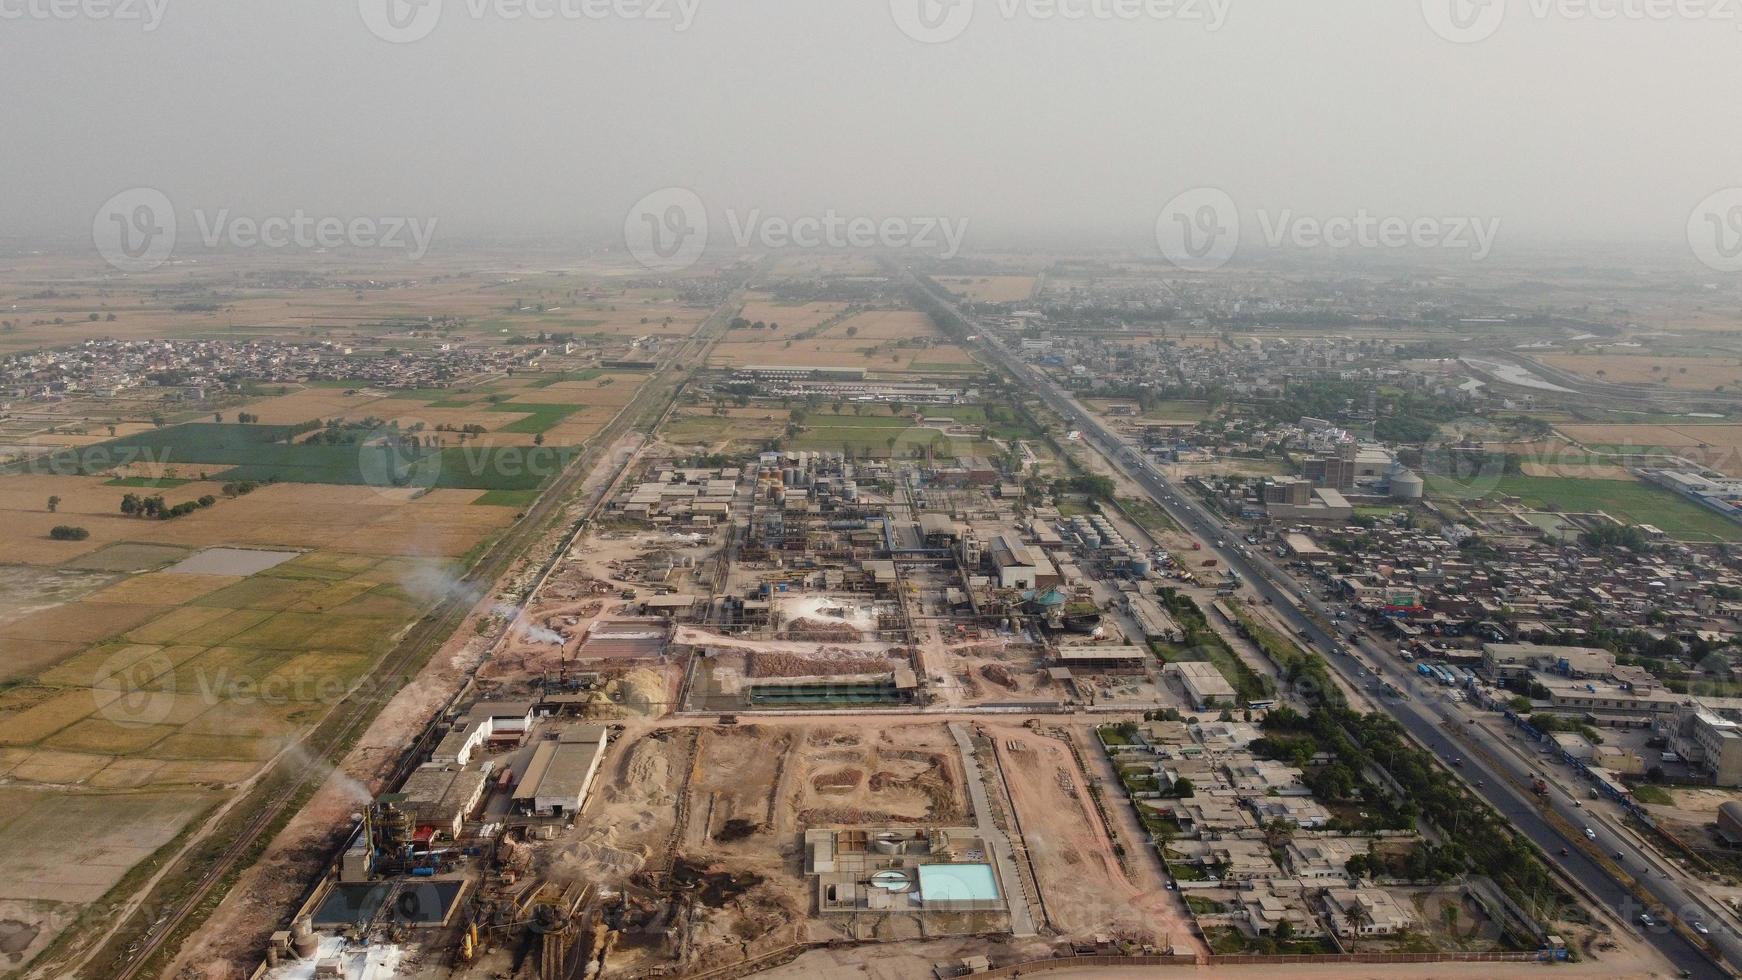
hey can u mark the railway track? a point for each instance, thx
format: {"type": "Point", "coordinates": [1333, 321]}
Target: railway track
{"type": "Point", "coordinates": [351, 716]}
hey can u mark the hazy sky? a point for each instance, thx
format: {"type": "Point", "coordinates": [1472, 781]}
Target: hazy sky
{"type": "Point", "coordinates": [1563, 127]}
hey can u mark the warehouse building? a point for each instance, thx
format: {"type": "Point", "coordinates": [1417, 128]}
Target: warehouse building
{"type": "Point", "coordinates": [560, 773]}
{"type": "Point", "coordinates": [1202, 684]}
{"type": "Point", "coordinates": [1021, 566]}
{"type": "Point", "coordinates": [441, 798]}
{"type": "Point", "coordinates": [1154, 621]}
{"type": "Point", "coordinates": [1103, 659]}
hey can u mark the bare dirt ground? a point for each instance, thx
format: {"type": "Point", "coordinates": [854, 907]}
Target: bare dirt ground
{"type": "Point", "coordinates": [1087, 894]}
{"type": "Point", "coordinates": [905, 961]}
{"type": "Point", "coordinates": [905, 774]}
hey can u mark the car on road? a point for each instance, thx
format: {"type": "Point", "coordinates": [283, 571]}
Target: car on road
{"type": "Point", "coordinates": [1646, 920]}
{"type": "Point", "coordinates": [1590, 834]}
{"type": "Point", "coordinates": [1700, 927]}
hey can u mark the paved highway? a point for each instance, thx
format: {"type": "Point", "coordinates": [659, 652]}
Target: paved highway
{"type": "Point", "coordinates": [1292, 601]}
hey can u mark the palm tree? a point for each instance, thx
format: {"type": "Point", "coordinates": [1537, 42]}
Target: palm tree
{"type": "Point", "coordinates": [1359, 918]}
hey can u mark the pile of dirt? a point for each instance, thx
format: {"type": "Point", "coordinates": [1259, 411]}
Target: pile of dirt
{"type": "Point", "coordinates": [647, 775]}
{"type": "Point", "coordinates": [713, 888]}
{"type": "Point", "coordinates": [640, 691]}
{"type": "Point", "coordinates": [821, 630]}
{"type": "Point", "coordinates": [1000, 675]}
{"type": "Point", "coordinates": [736, 829]}
{"type": "Point", "coordinates": [798, 665]}
{"type": "Point", "coordinates": [841, 779]}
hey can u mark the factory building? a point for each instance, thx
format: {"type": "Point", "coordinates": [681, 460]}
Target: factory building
{"type": "Point", "coordinates": [440, 798]}
{"type": "Point", "coordinates": [1021, 566]}
{"type": "Point", "coordinates": [1203, 685]}
{"type": "Point", "coordinates": [560, 773]}
{"type": "Point", "coordinates": [1103, 659]}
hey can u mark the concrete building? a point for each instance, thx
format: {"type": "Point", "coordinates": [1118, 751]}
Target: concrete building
{"type": "Point", "coordinates": [1601, 699]}
{"type": "Point", "coordinates": [1203, 685]}
{"type": "Point", "coordinates": [1271, 903]}
{"type": "Point", "coordinates": [1103, 659]}
{"type": "Point", "coordinates": [1709, 740]}
{"type": "Point", "coordinates": [1021, 566]}
{"type": "Point", "coordinates": [1324, 857]}
{"type": "Point", "coordinates": [863, 871]}
{"type": "Point", "coordinates": [1154, 621]}
{"type": "Point", "coordinates": [1301, 812]}
{"type": "Point", "coordinates": [441, 798]}
{"type": "Point", "coordinates": [1355, 912]}
{"type": "Point", "coordinates": [1502, 661]}
{"type": "Point", "coordinates": [561, 771]}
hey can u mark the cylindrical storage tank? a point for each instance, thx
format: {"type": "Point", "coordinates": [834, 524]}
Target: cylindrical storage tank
{"type": "Point", "coordinates": [1406, 486]}
{"type": "Point", "coordinates": [303, 941]}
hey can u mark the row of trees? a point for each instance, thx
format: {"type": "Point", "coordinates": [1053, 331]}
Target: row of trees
{"type": "Point", "coordinates": [134, 505]}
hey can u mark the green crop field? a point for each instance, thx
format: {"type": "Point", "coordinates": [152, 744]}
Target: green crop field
{"type": "Point", "coordinates": [539, 418]}
{"type": "Point", "coordinates": [507, 498]}
{"type": "Point", "coordinates": [148, 482]}
{"type": "Point", "coordinates": [881, 436]}
{"type": "Point", "coordinates": [1631, 502]}
{"type": "Point", "coordinates": [262, 453]}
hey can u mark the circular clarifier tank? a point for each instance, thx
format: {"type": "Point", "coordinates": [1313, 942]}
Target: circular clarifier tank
{"type": "Point", "coordinates": [892, 881]}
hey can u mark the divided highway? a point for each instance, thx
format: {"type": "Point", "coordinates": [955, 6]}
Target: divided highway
{"type": "Point", "coordinates": [1292, 602]}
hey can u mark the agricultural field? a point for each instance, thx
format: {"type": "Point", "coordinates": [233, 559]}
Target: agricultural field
{"type": "Point", "coordinates": [524, 442]}
{"type": "Point", "coordinates": [1631, 502]}
{"type": "Point", "coordinates": [1718, 446]}
{"type": "Point", "coordinates": [163, 689]}
{"type": "Point", "coordinates": [1676, 373]}
{"type": "Point", "coordinates": [149, 666]}
{"type": "Point", "coordinates": [790, 318]}
{"type": "Point", "coordinates": [989, 289]}
{"type": "Point", "coordinates": [883, 341]}
{"type": "Point", "coordinates": [69, 850]}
